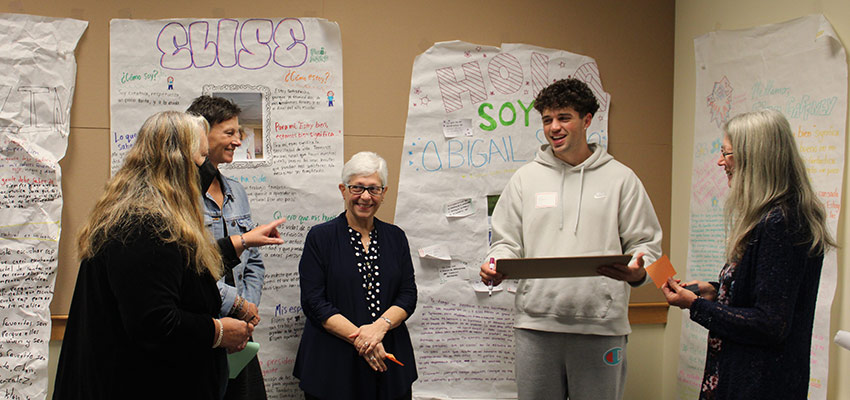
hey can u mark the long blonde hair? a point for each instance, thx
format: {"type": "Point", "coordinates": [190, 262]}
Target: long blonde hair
{"type": "Point", "coordinates": [769, 172]}
{"type": "Point", "coordinates": [158, 185]}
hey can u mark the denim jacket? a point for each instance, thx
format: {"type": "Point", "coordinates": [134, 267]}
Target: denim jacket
{"type": "Point", "coordinates": [236, 211]}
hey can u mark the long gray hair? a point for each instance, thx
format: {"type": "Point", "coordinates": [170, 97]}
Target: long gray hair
{"type": "Point", "coordinates": [768, 171]}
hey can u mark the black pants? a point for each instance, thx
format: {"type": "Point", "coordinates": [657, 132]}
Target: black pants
{"type": "Point", "coordinates": [248, 385]}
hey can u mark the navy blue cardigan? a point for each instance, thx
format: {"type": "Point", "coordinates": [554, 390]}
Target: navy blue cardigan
{"type": "Point", "coordinates": [329, 367]}
{"type": "Point", "coordinates": [766, 329]}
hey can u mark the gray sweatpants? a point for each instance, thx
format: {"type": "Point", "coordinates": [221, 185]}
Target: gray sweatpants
{"type": "Point", "coordinates": [559, 366]}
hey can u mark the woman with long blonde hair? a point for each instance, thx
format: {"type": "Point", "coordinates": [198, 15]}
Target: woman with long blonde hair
{"type": "Point", "coordinates": [143, 320]}
{"type": "Point", "coordinates": [760, 314]}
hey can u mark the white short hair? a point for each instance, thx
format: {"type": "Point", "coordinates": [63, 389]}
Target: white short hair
{"type": "Point", "coordinates": [365, 163]}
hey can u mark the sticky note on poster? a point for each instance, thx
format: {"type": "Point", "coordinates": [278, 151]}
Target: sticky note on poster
{"type": "Point", "coordinates": [457, 127]}
{"type": "Point", "coordinates": [459, 208]}
{"type": "Point", "coordinates": [453, 270]}
{"type": "Point", "coordinates": [435, 252]}
{"type": "Point", "coordinates": [660, 270]}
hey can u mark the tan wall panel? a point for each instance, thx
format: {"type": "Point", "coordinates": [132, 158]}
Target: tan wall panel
{"type": "Point", "coordinates": [85, 169]}
{"type": "Point", "coordinates": [390, 149]}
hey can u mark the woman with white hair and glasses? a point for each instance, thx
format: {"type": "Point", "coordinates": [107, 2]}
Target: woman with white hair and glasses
{"type": "Point", "coordinates": [759, 315]}
{"type": "Point", "coordinates": [357, 289]}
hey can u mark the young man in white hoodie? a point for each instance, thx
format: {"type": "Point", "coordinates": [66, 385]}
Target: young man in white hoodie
{"type": "Point", "coordinates": [574, 199]}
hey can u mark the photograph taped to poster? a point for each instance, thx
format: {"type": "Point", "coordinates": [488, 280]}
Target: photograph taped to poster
{"type": "Point", "coordinates": [255, 116]}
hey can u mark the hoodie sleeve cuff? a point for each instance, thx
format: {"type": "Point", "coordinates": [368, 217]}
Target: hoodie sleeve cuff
{"type": "Point", "coordinates": [640, 282]}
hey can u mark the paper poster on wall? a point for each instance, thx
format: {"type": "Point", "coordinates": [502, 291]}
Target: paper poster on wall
{"type": "Point", "coordinates": [36, 89]}
{"type": "Point", "coordinates": [798, 68]}
{"type": "Point", "coordinates": [470, 125]}
{"type": "Point", "coordinates": [286, 76]}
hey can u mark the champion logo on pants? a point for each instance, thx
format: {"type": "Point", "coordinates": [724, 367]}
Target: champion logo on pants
{"type": "Point", "coordinates": [613, 356]}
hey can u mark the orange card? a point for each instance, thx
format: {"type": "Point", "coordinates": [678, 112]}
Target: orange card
{"type": "Point", "coordinates": [660, 270]}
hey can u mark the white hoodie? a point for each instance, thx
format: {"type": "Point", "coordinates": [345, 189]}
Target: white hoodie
{"type": "Point", "coordinates": [552, 209]}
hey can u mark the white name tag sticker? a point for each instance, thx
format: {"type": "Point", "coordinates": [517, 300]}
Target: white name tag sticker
{"type": "Point", "coordinates": [546, 200]}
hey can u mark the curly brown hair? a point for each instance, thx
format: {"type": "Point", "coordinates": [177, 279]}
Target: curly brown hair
{"type": "Point", "coordinates": [567, 93]}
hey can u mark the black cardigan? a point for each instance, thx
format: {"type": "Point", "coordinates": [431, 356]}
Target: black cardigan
{"type": "Point", "coordinates": [329, 367]}
{"type": "Point", "coordinates": [140, 326]}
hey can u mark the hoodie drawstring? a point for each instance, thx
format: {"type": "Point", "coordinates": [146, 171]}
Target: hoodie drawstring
{"type": "Point", "coordinates": [563, 182]}
{"type": "Point", "coordinates": [580, 191]}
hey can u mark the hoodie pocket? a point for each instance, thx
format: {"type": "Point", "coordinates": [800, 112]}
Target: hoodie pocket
{"type": "Point", "coordinates": [570, 297]}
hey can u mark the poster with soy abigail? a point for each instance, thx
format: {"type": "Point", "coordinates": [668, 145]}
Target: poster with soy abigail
{"type": "Point", "coordinates": [471, 124]}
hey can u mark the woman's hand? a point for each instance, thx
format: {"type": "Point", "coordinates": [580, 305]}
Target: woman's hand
{"type": "Point", "coordinates": [368, 337]}
{"type": "Point", "coordinates": [236, 334]}
{"type": "Point", "coordinates": [262, 235]}
{"type": "Point", "coordinates": [677, 295]}
{"type": "Point", "coordinates": [706, 290]}
{"type": "Point", "coordinates": [250, 313]}
{"type": "Point", "coordinates": [375, 358]}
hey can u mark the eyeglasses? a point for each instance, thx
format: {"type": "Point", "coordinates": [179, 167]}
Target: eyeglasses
{"type": "Point", "coordinates": [359, 189]}
{"type": "Point", "coordinates": [725, 154]}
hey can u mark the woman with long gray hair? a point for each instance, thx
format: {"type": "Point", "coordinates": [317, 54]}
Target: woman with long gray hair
{"type": "Point", "coordinates": [760, 314]}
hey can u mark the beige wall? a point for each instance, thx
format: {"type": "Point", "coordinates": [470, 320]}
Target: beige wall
{"type": "Point", "coordinates": [695, 18]}
{"type": "Point", "coordinates": [631, 41]}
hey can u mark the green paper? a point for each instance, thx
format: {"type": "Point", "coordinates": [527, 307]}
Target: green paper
{"type": "Point", "coordinates": [237, 361]}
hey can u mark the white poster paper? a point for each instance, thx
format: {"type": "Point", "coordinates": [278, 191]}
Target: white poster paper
{"type": "Point", "coordinates": [36, 89]}
{"type": "Point", "coordinates": [286, 76]}
{"type": "Point", "coordinates": [796, 67]}
{"type": "Point", "coordinates": [463, 337]}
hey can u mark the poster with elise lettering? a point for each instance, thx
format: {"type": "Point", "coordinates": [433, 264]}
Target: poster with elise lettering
{"type": "Point", "coordinates": [470, 125]}
{"type": "Point", "coordinates": [286, 76]}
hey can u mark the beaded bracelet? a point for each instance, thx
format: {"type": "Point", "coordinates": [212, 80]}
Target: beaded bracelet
{"type": "Point", "coordinates": [237, 306]}
{"type": "Point", "coordinates": [220, 333]}
{"type": "Point", "coordinates": [244, 245]}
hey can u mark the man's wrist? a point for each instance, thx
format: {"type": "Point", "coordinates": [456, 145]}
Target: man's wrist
{"type": "Point", "coordinates": [639, 280]}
